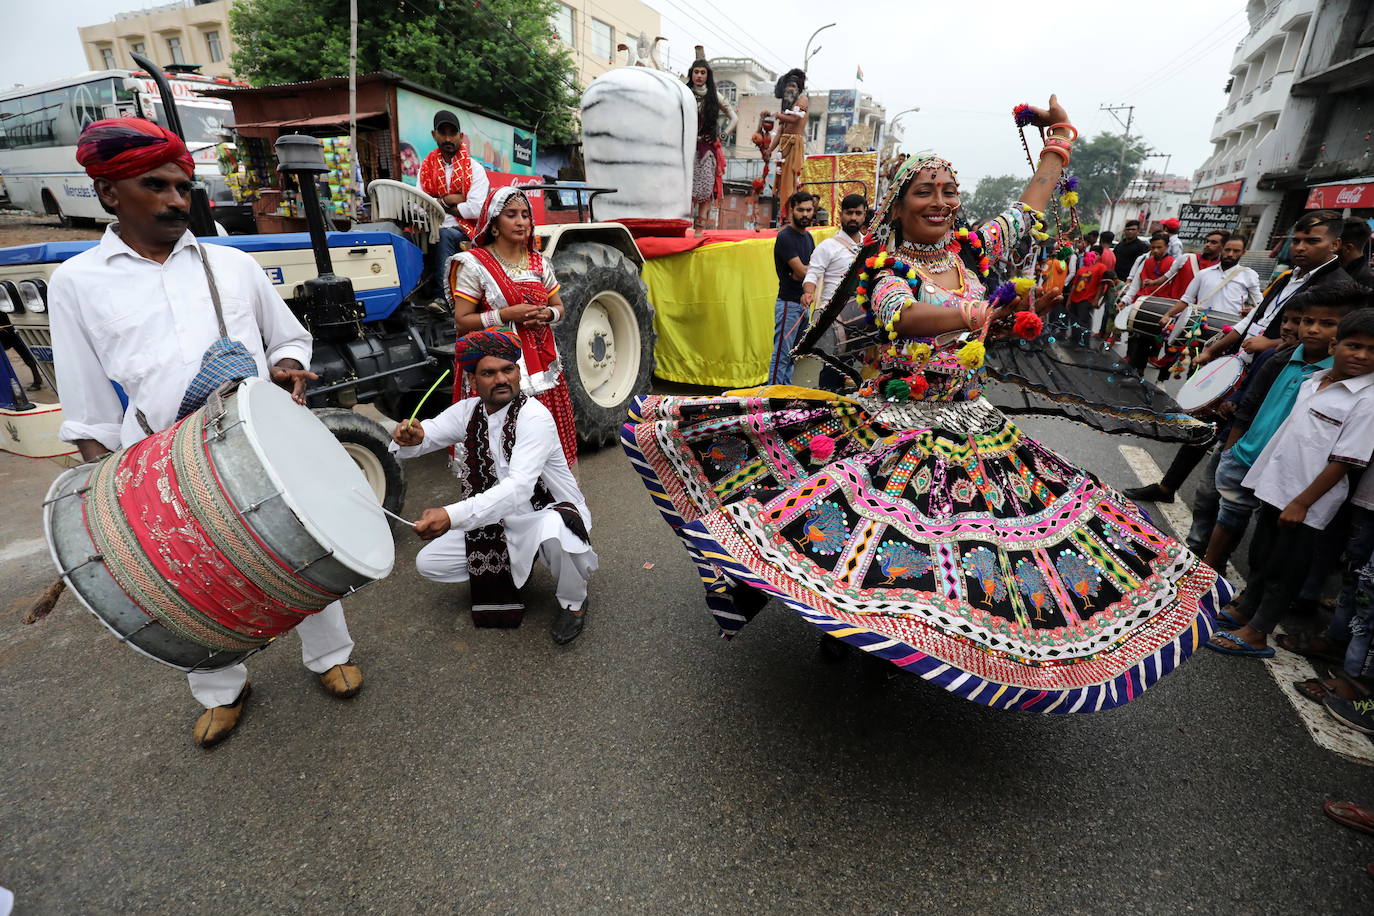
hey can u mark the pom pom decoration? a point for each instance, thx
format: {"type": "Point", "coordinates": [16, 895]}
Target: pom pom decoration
{"type": "Point", "coordinates": [897, 390]}
{"type": "Point", "coordinates": [1069, 198]}
{"type": "Point", "coordinates": [971, 354]}
{"type": "Point", "coordinates": [1071, 183]}
{"type": "Point", "coordinates": [1023, 114]}
{"type": "Point", "coordinates": [1064, 253]}
{"type": "Point", "coordinates": [821, 447]}
{"type": "Point", "coordinates": [920, 352]}
{"type": "Point", "coordinates": [1023, 285]}
{"type": "Point", "coordinates": [1002, 295]}
{"type": "Point", "coordinates": [918, 385]}
{"type": "Point", "coordinates": [1027, 325]}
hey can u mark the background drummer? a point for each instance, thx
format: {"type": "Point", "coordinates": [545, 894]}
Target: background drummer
{"type": "Point", "coordinates": [136, 310]}
{"type": "Point", "coordinates": [1227, 285]}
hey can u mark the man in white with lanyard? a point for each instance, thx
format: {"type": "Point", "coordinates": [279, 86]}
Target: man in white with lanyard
{"type": "Point", "coordinates": [827, 267]}
{"type": "Point", "coordinates": [1227, 285]}
{"type": "Point", "coordinates": [166, 318]}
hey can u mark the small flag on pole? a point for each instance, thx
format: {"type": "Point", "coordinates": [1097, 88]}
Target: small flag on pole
{"type": "Point", "coordinates": [859, 75]}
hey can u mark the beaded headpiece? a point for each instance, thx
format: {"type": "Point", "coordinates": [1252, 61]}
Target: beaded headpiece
{"type": "Point", "coordinates": [880, 227]}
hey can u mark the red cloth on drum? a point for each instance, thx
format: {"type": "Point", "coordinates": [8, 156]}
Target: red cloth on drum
{"type": "Point", "coordinates": [182, 553]}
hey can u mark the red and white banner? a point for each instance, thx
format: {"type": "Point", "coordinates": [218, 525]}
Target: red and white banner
{"type": "Point", "coordinates": [1226, 194]}
{"type": "Point", "coordinates": [1340, 196]}
{"type": "Point", "coordinates": [501, 179]}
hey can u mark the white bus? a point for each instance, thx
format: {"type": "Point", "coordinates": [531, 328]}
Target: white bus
{"type": "Point", "coordinates": [39, 126]}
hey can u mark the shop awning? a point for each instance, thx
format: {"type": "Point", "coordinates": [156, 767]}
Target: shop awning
{"type": "Point", "coordinates": [320, 121]}
{"type": "Point", "coordinates": [1356, 193]}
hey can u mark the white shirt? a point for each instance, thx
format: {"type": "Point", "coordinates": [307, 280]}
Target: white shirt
{"type": "Point", "coordinates": [1175, 246]}
{"type": "Point", "coordinates": [1335, 423]}
{"type": "Point", "coordinates": [471, 207]}
{"type": "Point", "coordinates": [1231, 291]}
{"type": "Point", "coordinates": [118, 316]}
{"type": "Point", "coordinates": [1133, 280]}
{"type": "Point", "coordinates": [829, 263]}
{"type": "Point", "coordinates": [1290, 289]}
{"type": "Point", "coordinates": [537, 453]}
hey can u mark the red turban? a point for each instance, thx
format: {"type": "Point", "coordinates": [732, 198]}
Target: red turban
{"type": "Point", "coordinates": [118, 148]}
{"type": "Point", "coordinates": [471, 347]}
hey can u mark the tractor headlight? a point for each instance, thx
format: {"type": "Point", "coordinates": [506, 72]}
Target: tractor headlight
{"type": "Point", "coordinates": [9, 298]}
{"type": "Point", "coordinates": [34, 295]}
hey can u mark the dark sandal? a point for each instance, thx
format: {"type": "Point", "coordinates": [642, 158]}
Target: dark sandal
{"type": "Point", "coordinates": [1302, 644]}
{"type": "Point", "coordinates": [1315, 689]}
{"type": "Point", "coordinates": [1349, 814]}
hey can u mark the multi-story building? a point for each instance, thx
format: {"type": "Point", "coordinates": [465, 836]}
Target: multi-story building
{"type": "Point", "coordinates": [592, 28]}
{"type": "Point", "coordinates": [1150, 198]}
{"type": "Point", "coordinates": [1295, 133]}
{"type": "Point", "coordinates": [191, 32]}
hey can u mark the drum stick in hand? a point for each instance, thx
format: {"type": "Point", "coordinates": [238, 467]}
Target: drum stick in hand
{"type": "Point", "coordinates": [365, 498]}
{"type": "Point", "coordinates": [416, 412]}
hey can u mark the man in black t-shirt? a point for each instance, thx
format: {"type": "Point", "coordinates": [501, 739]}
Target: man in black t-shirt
{"type": "Point", "coordinates": [1129, 249]}
{"type": "Point", "coordinates": [791, 254]}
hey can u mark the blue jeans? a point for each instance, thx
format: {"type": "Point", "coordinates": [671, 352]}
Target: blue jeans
{"type": "Point", "coordinates": [1238, 502]}
{"type": "Point", "coordinates": [789, 321]}
{"type": "Point", "coordinates": [1354, 617]}
{"type": "Point", "coordinates": [450, 240]}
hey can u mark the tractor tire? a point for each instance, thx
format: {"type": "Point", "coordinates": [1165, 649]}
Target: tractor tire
{"type": "Point", "coordinates": [606, 337]}
{"type": "Point", "coordinates": [367, 444]}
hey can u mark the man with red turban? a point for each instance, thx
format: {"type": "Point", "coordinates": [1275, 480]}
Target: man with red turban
{"type": "Point", "coordinates": [166, 318]}
{"type": "Point", "coordinates": [518, 499]}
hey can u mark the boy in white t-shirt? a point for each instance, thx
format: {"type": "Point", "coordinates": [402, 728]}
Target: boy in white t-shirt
{"type": "Point", "coordinates": [1300, 480]}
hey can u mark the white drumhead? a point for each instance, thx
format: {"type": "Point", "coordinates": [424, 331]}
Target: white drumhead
{"type": "Point", "coordinates": [1123, 318]}
{"type": "Point", "coordinates": [1181, 321]}
{"type": "Point", "coordinates": [316, 477]}
{"type": "Point", "coordinates": [1210, 383]}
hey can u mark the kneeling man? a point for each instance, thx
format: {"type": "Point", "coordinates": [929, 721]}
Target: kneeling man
{"type": "Point", "coordinates": [518, 498]}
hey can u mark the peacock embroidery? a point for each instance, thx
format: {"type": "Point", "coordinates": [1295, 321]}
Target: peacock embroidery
{"type": "Point", "coordinates": [825, 530]}
{"type": "Point", "coordinates": [902, 561]}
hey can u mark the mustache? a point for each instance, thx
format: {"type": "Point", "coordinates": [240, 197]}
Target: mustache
{"type": "Point", "coordinates": [173, 216]}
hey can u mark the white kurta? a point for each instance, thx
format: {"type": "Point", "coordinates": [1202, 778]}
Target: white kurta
{"type": "Point", "coordinates": [117, 316]}
{"type": "Point", "coordinates": [537, 454]}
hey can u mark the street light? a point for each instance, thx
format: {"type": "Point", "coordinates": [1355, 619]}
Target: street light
{"type": "Point", "coordinates": [806, 56]}
{"type": "Point", "coordinates": [888, 131]}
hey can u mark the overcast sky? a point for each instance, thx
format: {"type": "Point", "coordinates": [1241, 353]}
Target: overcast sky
{"type": "Point", "coordinates": [965, 75]}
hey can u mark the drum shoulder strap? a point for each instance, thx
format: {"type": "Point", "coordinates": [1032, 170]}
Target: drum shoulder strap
{"type": "Point", "coordinates": [214, 291]}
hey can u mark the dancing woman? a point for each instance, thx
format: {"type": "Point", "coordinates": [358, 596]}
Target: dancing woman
{"type": "Point", "coordinates": [914, 520]}
{"type": "Point", "coordinates": [504, 280]}
{"type": "Point", "coordinates": [715, 120]}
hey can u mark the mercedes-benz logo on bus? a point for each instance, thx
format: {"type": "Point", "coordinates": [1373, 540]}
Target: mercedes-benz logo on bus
{"type": "Point", "coordinates": [86, 109]}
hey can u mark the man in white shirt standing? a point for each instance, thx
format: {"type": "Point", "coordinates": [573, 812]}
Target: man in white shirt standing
{"type": "Point", "coordinates": [827, 267]}
{"type": "Point", "coordinates": [137, 310]}
{"type": "Point", "coordinates": [1227, 285]}
{"type": "Point", "coordinates": [518, 498]}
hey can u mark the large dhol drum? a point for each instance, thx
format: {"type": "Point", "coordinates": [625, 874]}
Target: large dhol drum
{"type": "Point", "coordinates": [1211, 384]}
{"type": "Point", "coordinates": [203, 543]}
{"type": "Point", "coordinates": [1146, 317]}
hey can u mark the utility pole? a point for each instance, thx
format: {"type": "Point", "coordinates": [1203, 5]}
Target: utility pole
{"type": "Point", "coordinates": [353, 157]}
{"type": "Point", "coordinates": [1125, 144]}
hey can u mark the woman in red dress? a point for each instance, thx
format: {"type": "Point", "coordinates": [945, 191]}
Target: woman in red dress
{"type": "Point", "coordinates": [504, 280]}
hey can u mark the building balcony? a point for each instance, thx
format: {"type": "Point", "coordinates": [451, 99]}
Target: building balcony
{"type": "Point", "coordinates": [1275, 20]}
{"type": "Point", "coordinates": [1264, 100]}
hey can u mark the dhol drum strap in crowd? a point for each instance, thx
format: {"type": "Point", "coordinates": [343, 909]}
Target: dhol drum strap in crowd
{"type": "Point", "coordinates": [226, 360]}
{"type": "Point", "coordinates": [494, 593]}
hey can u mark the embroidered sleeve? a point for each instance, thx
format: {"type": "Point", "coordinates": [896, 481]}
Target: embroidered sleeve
{"type": "Point", "coordinates": [547, 276]}
{"type": "Point", "coordinates": [1004, 232]}
{"type": "Point", "coordinates": [890, 295]}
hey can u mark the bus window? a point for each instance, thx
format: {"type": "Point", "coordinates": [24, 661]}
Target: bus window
{"type": "Point", "coordinates": [10, 119]}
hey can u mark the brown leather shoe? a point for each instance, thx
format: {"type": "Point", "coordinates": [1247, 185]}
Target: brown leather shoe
{"type": "Point", "coordinates": [343, 680]}
{"type": "Point", "coordinates": [216, 723]}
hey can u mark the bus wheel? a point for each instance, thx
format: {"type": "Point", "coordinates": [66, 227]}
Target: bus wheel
{"type": "Point", "coordinates": [51, 208]}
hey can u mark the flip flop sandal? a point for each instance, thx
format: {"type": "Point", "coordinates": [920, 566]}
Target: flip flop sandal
{"type": "Point", "coordinates": [1313, 689]}
{"type": "Point", "coordinates": [1349, 814]}
{"type": "Point", "coordinates": [1301, 644]}
{"type": "Point", "coordinates": [1238, 646]}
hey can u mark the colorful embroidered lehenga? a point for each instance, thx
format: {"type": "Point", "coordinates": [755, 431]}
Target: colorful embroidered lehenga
{"type": "Point", "coordinates": [936, 535]}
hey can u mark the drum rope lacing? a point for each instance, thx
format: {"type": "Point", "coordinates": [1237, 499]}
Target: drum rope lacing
{"type": "Point", "coordinates": [238, 594]}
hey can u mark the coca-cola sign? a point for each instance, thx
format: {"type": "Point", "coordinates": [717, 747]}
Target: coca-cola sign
{"type": "Point", "coordinates": [1340, 196]}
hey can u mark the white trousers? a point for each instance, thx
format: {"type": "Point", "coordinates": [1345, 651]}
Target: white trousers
{"type": "Point", "coordinates": [445, 559]}
{"type": "Point", "coordinates": [324, 643]}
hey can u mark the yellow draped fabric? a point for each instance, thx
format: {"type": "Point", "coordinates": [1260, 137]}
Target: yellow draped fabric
{"type": "Point", "coordinates": [713, 312]}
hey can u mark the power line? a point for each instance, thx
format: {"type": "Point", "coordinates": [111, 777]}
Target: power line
{"type": "Point", "coordinates": [715, 32]}
{"type": "Point", "coordinates": [777, 58]}
{"type": "Point", "coordinates": [1182, 55]}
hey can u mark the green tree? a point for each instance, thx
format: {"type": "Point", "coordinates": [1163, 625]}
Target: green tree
{"type": "Point", "coordinates": [501, 55]}
{"type": "Point", "coordinates": [993, 194]}
{"type": "Point", "coordinates": [1097, 162]}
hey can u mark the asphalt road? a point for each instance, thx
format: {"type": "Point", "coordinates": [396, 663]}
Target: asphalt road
{"type": "Point", "coordinates": [649, 767]}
